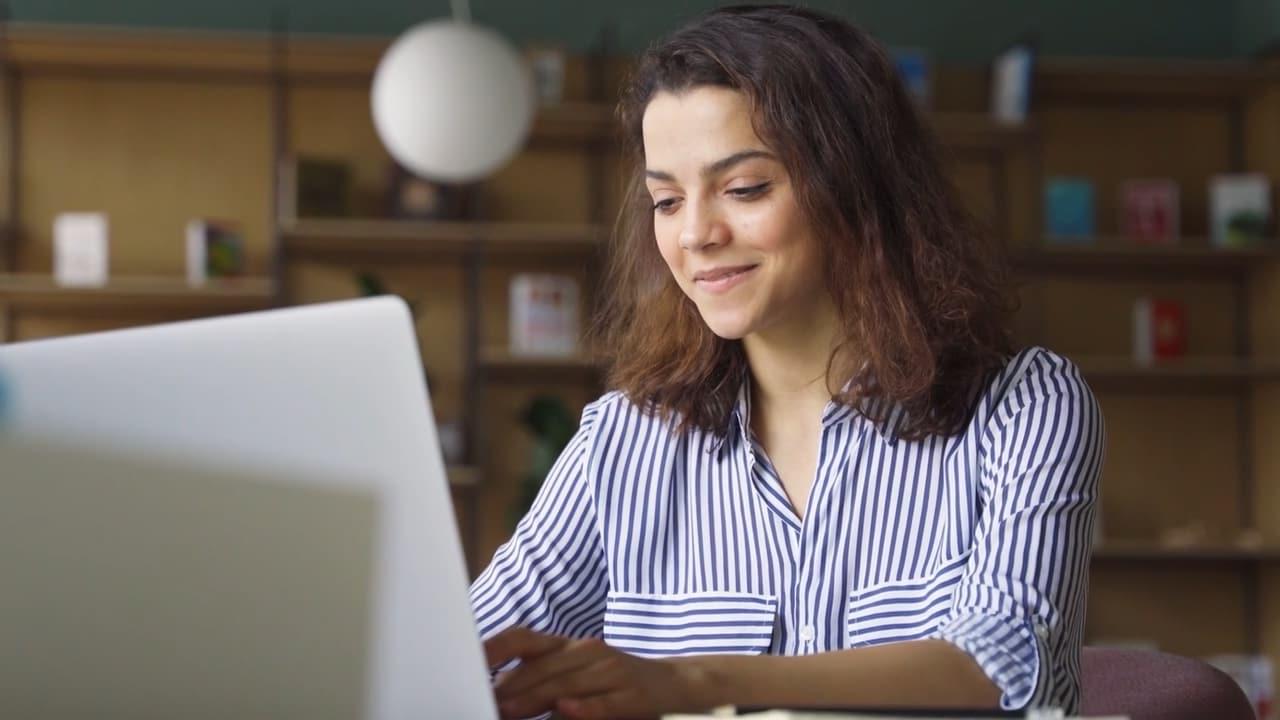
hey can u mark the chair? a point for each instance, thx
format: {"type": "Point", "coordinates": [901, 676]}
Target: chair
{"type": "Point", "coordinates": [1148, 685]}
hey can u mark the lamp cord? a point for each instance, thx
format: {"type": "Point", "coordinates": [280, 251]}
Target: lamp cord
{"type": "Point", "coordinates": [461, 10]}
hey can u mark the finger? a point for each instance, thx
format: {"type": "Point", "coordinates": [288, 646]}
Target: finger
{"type": "Point", "coordinates": [620, 704]}
{"type": "Point", "coordinates": [574, 657]}
{"type": "Point", "coordinates": [519, 642]}
{"type": "Point", "coordinates": [543, 698]}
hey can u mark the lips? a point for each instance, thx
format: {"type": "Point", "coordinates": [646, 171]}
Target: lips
{"type": "Point", "coordinates": [718, 281]}
{"type": "Point", "coordinates": [721, 272]}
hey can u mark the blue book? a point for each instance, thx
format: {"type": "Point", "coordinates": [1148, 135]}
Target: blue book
{"type": "Point", "coordinates": [913, 68]}
{"type": "Point", "coordinates": [1068, 211]}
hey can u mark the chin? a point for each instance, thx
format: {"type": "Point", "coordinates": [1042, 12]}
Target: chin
{"type": "Point", "coordinates": [727, 327]}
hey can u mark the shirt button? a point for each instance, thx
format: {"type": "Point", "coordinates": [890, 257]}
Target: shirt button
{"type": "Point", "coordinates": [1042, 632]}
{"type": "Point", "coordinates": [806, 633]}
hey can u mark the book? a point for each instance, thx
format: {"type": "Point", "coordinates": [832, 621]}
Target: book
{"type": "Point", "coordinates": [913, 67]}
{"type": "Point", "coordinates": [1011, 74]}
{"type": "Point", "coordinates": [1240, 209]}
{"type": "Point", "coordinates": [1159, 330]}
{"type": "Point", "coordinates": [1069, 210]}
{"type": "Point", "coordinates": [215, 249]}
{"type": "Point", "coordinates": [544, 315]}
{"type": "Point", "coordinates": [80, 249]}
{"type": "Point", "coordinates": [1149, 213]}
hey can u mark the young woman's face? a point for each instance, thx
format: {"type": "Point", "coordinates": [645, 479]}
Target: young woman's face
{"type": "Point", "coordinates": [725, 217]}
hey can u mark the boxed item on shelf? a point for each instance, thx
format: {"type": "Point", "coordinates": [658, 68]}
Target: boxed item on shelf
{"type": "Point", "coordinates": [215, 248]}
{"type": "Point", "coordinates": [1159, 330]}
{"type": "Point", "coordinates": [1149, 213]}
{"type": "Point", "coordinates": [80, 249]}
{"type": "Point", "coordinates": [913, 67]}
{"type": "Point", "coordinates": [1240, 209]}
{"type": "Point", "coordinates": [1069, 210]}
{"type": "Point", "coordinates": [544, 315]}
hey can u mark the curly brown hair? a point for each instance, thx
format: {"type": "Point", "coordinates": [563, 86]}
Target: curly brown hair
{"type": "Point", "coordinates": [921, 293]}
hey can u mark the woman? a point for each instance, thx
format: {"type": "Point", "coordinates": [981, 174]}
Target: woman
{"type": "Point", "coordinates": [824, 477]}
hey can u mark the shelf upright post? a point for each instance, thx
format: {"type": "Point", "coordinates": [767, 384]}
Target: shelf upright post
{"type": "Point", "coordinates": [1249, 578]}
{"type": "Point", "coordinates": [473, 400]}
{"type": "Point", "coordinates": [279, 80]}
{"type": "Point", "coordinates": [10, 95]}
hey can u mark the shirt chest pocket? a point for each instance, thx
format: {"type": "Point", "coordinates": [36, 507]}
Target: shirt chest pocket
{"type": "Point", "coordinates": [902, 610]}
{"type": "Point", "coordinates": [690, 624]}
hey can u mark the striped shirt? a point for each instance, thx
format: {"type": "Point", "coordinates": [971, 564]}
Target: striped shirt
{"type": "Point", "coordinates": [670, 544]}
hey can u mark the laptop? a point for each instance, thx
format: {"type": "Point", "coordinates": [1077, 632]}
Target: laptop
{"type": "Point", "coordinates": [236, 517]}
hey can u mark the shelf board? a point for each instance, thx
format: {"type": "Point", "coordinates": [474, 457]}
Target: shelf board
{"type": "Point", "coordinates": [595, 122]}
{"type": "Point", "coordinates": [1143, 81]}
{"type": "Point", "coordinates": [575, 122]}
{"type": "Point", "coordinates": [977, 131]}
{"type": "Point", "coordinates": [407, 238]}
{"type": "Point", "coordinates": [1113, 254]}
{"type": "Point", "coordinates": [160, 294]}
{"type": "Point", "coordinates": [1190, 371]}
{"type": "Point", "coordinates": [502, 361]}
{"type": "Point", "coordinates": [1144, 552]}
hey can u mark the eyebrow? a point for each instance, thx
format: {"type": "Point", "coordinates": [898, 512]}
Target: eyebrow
{"type": "Point", "coordinates": [716, 167]}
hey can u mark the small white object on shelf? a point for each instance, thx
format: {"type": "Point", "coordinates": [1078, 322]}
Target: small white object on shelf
{"type": "Point", "coordinates": [544, 315]}
{"type": "Point", "coordinates": [80, 243]}
{"type": "Point", "coordinates": [1240, 209]}
{"type": "Point", "coordinates": [547, 64]}
{"type": "Point", "coordinates": [1011, 75]}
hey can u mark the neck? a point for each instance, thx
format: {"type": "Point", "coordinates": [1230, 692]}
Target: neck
{"type": "Point", "coordinates": [789, 364]}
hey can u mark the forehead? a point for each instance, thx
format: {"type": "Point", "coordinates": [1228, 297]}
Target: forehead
{"type": "Point", "coordinates": [696, 126]}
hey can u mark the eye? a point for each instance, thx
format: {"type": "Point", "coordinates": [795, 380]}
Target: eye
{"type": "Point", "coordinates": [746, 193]}
{"type": "Point", "coordinates": [665, 206]}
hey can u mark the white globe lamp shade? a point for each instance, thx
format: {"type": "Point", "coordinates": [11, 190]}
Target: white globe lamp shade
{"type": "Point", "coordinates": [452, 101]}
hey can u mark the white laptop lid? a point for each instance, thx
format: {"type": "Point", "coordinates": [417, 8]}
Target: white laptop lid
{"type": "Point", "coordinates": [236, 517]}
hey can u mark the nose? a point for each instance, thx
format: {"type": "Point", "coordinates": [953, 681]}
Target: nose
{"type": "Point", "coordinates": [702, 228]}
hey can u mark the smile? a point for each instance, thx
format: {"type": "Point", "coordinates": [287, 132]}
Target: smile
{"type": "Point", "coordinates": [723, 281]}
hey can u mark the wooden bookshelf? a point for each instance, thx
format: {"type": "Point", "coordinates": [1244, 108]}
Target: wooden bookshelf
{"type": "Point", "coordinates": [1154, 552]}
{"type": "Point", "coordinates": [575, 123]}
{"type": "Point", "coordinates": [1111, 255]}
{"type": "Point", "coordinates": [403, 238]}
{"type": "Point", "coordinates": [162, 294]}
{"type": "Point", "coordinates": [500, 361]}
{"type": "Point", "coordinates": [978, 131]}
{"type": "Point", "coordinates": [1190, 368]}
{"type": "Point", "coordinates": [595, 122]}
{"type": "Point", "coordinates": [1136, 81]}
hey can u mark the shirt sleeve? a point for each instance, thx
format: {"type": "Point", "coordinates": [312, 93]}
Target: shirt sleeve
{"type": "Point", "coordinates": [551, 575]}
{"type": "Point", "coordinates": [1019, 607]}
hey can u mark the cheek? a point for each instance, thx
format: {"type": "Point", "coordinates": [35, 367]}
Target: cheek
{"type": "Point", "coordinates": [668, 242]}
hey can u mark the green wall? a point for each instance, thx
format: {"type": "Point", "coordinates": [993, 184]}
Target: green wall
{"type": "Point", "coordinates": [952, 30]}
{"type": "Point", "coordinates": [1257, 24]}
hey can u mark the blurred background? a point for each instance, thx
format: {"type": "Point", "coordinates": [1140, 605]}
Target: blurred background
{"type": "Point", "coordinates": [170, 160]}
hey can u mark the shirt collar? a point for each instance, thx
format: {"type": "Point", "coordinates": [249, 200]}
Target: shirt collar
{"type": "Point", "coordinates": [739, 419]}
{"type": "Point", "coordinates": [889, 415]}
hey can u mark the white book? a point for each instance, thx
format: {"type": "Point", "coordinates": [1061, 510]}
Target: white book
{"type": "Point", "coordinates": [80, 249]}
{"type": "Point", "coordinates": [1240, 209]}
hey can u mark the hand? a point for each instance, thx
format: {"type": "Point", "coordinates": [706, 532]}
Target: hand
{"type": "Point", "coordinates": [584, 679]}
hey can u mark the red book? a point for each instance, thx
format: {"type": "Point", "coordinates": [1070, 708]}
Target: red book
{"type": "Point", "coordinates": [1149, 211]}
{"type": "Point", "coordinates": [1159, 330]}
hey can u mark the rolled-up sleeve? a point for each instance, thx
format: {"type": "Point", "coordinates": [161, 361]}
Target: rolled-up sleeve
{"type": "Point", "coordinates": [551, 575]}
{"type": "Point", "coordinates": [1019, 608]}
